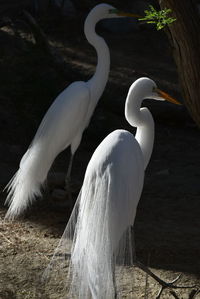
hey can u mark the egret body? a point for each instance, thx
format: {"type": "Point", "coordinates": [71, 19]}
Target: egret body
{"type": "Point", "coordinates": [98, 235]}
{"type": "Point", "coordinates": [63, 124]}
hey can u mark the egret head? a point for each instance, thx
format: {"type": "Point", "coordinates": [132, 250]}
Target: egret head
{"type": "Point", "coordinates": [147, 88]}
{"type": "Point", "coordinates": [99, 12]}
{"type": "Point", "coordinates": [106, 11]}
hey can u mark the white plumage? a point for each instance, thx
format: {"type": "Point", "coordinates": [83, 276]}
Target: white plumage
{"type": "Point", "coordinates": [53, 136]}
{"type": "Point", "coordinates": [107, 209]}
{"type": "Point", "coordinates": [98, 239]}
{"type": "Point", "coordinates": [63, 124]}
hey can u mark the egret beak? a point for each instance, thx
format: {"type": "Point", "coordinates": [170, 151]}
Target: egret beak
{"type": "Point", "coordinates": [129, 15]}
{"type": "Point", "coordinates": [167, 97]}
{"type": "Point", "coordinates": [124, 14]}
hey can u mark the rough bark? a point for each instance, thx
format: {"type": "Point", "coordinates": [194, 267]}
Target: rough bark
{"type": "Point", "coordinates": [185, 41]}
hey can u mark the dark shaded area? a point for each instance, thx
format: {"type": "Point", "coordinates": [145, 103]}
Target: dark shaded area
{"type": "Point", "coordinates": [167, 224]}
{"type": "Point", "coordinates": [11, 8]}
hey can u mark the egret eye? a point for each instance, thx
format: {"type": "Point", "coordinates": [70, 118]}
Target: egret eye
{"type": "Point", "coordinates": [154, 89]}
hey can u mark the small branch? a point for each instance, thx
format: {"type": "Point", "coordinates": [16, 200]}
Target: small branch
{"type": "Point", "coordinates": [164, 284]}
{"type": "Point", "coordinates": [194, 293]}
{"type": "Point", "coordinates": [5, 238]}
{"type": "Point", "coordinates": [146, 278]}
{"type": "Point", "coordinates": [174, 294]}
{"type": "Point", "coordinates": [43, 255]}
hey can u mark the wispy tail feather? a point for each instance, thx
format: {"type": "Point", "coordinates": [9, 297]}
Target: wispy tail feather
{"type": "Point", "coordinates": [26, 184]}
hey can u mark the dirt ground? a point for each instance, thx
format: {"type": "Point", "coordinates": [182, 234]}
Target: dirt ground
{"type": "Point", "coordinates": [167, 225]}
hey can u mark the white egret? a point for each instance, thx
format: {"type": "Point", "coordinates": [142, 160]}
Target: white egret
{"type": "Point", "coordinates": [97, 238]}
{"type": "Point", "coordinates": [64, 122]}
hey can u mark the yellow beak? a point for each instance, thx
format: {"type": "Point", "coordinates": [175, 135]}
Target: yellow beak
{"type": "Point", "coordinates": [126, 14]}
{"type": "Point", "coordinates": [123, 14]}
{"type": "Point", "coordinates": [167, 97]}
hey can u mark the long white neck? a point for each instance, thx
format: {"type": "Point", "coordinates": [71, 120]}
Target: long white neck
{"type": "Point", "coordinates": [98, 82]}
{"type": "Point", "coordinates": [143, 120]}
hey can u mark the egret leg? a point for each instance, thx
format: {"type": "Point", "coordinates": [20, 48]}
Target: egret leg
{"type": "Point", "coordinates": [68, 180]}
{"type": "Point", "coordinates": [114, 279]}
{"type": "Point", "coordinates": [68, 175]}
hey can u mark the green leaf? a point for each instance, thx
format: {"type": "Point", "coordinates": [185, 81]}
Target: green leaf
{"type": "Point", "coordinates": [159, 18]}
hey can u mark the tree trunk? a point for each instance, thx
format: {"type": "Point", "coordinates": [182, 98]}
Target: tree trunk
{"type": "Point", "coordinates": [185, 41]}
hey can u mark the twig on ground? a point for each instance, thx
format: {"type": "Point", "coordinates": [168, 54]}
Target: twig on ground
{"type": "Point", "coordinates": [5, 238]}
{"type": "Point", "coordinates": [43, 255]}
{"type": "Point", "coordinates": [194, 293]}
{"type": "Point", "coordinates": [146, 280]}
{"type": "Point", "coordinates": [174, 294]}
{"type": "Point", "coordinates": [164, 284]}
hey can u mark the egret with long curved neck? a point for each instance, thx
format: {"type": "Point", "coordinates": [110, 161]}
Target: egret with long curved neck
{"type": "Point", "coordinates": [98, 237]}
{"type": "Point", "coordinates": [63, 124]}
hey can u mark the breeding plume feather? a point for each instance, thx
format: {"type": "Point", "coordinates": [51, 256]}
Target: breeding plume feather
{"type": "Point", "coordinates": [95, 255]}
